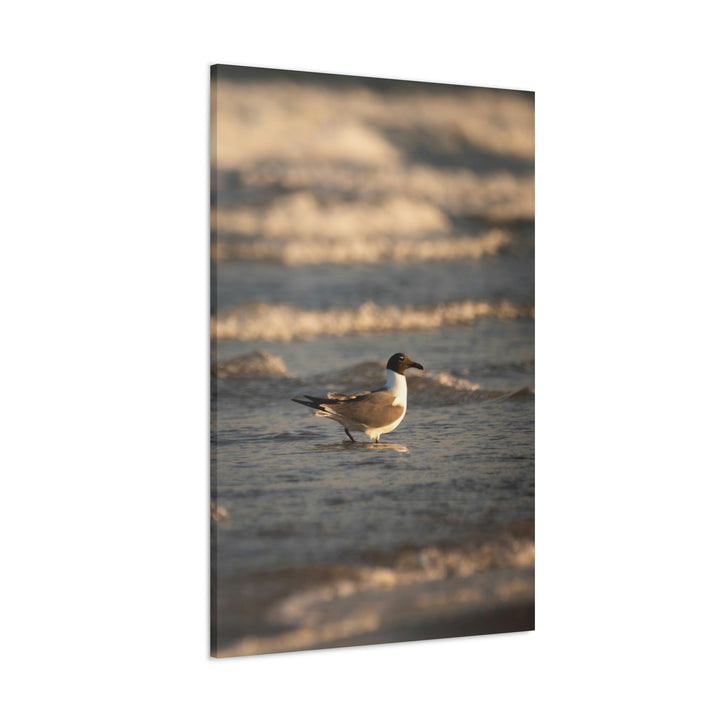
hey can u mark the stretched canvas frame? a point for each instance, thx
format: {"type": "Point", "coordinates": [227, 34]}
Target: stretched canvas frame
{"type": "Point", "coordinates": [353, 219]}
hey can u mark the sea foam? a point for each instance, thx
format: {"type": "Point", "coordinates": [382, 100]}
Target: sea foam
{"type": "Point", "coordinates": [427, 583]}
{"type": "Point", "coordinates": [283, 322]}
{"type": "Point", "coordinates": [360, 249]}
{"type": "Point", "coordinates": [255, 364]}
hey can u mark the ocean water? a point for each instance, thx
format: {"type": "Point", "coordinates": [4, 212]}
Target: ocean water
{"type": "Point", "coordinates": [353, 219]}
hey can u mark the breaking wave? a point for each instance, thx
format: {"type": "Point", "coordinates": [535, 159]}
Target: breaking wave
{"type": "Point", "coordinates": [288, 120]}
{"type": "Point", "coordinates": [428, 583]}
{"type": "Point", "coordinates": [433, 388]}
{"type": "Point", "coordinates": [496, 197]}
{"type": "Point", "coordinates": [444, 388]}
{"type": "Point", "coordinates": [428, 388]}
{"type": "Point", "coordinates": [411, 567]}
{"type": "Point", "coordinates": [300, 214]}
{"type": "Point", "coordinates": [255, 364]}
{"type": "Point", "coordinates": [362, 250]}
{"type": "Point", "coordinates": [282, 322]}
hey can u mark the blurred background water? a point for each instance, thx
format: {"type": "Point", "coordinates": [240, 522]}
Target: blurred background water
{"type": "Point", "coordinates": [352, 219]}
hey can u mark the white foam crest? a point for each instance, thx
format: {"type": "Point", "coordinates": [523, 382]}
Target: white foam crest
{"type": "Point", "coordinates": [282, 322]}
{"type": "Point", "coordinates": [256, 364]}
{"type": "Point", "coordinates": [448, 380]}
{"type": "Point", "coordinates": [428, 387]}
{"type": "Point", "coordinates": [445, 388]}
{"type": "Point", "coordinates": [301, 215]}
{"type": "Point", "coordinates": [291, 121]}
{"type": "Point", "coordinates": [497, 197]}
{"type": "Point", "coordinates": [428, 584]}
{"type": "Point", "coordinates": [305, 637]}
{"type": "Point", "coordinates": [361, 250]}
{"type": "Point", "coordinates": [411, 568]}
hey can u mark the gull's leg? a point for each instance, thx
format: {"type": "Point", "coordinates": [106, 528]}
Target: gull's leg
{"type": "Point", "coordinates": [347, 432]}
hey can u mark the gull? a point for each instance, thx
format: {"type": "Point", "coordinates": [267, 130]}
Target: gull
{"type": "Point", "coordinates": [374, 413]}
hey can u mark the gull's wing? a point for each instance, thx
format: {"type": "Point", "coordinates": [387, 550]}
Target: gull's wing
{"type": "Point", "coordinates": [374, 409]}
{"type": "Point", "coordinates": [318, 403]}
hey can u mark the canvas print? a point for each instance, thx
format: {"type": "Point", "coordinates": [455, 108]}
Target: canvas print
{"type": "Point", "coordinates": [372, 361]}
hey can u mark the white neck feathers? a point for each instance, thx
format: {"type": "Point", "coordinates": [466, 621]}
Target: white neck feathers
{"type": "Point", "coordinates": [397, 385]}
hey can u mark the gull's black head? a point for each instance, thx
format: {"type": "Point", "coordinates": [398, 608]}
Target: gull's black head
{"type": "Point", "coordinates": [400, 362]}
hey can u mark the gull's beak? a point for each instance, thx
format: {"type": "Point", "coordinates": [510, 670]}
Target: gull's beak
{"type": "Point", "coordinates": [417, 365]}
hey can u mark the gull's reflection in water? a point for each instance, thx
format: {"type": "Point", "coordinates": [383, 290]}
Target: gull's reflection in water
{"type": "Point", "coordinates": [361, 447]}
